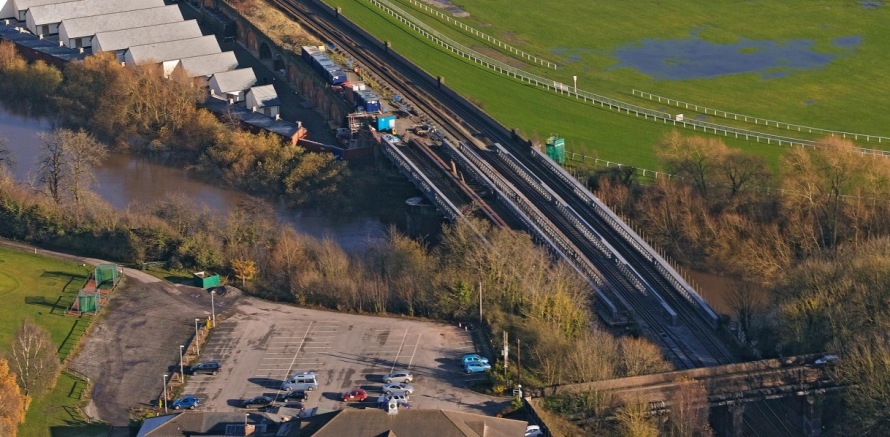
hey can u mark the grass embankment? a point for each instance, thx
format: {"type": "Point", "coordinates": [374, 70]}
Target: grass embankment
{"type": "Point", "coordinates": [583, 35]}
{"type": "Point", "coordinates": [39, 289]}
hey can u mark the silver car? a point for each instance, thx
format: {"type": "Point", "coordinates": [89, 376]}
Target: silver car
{"type": "Point", "coordinates": [398, 387]}
{"type": "Point", "coordinates": [400, 376]}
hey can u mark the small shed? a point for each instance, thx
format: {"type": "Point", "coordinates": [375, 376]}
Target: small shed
{"type": "Point", "coordinates": [206, 280]}
{"type": "Point", "coordinates": [263, 99]}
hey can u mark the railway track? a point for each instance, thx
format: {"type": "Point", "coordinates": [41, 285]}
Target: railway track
{"type": "Point", "coordinates": [460, 122]}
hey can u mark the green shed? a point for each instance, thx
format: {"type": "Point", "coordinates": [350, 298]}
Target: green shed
{"type": "Point", "coordinates": [206, 280]}
{"type": "Point", "coordinates": [556, 149]}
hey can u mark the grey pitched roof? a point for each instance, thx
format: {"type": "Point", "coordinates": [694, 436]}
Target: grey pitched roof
{"type": "Point", "coordinates": [208, 65]}
{"type": "Point", "coordinates": [235, 80]}
{"type": "Point", "coordinates": [170, 50]}
{"type": "Point", "coordinates": [93, 24]}
{"type": "Point", "coordinates": [265, 95]}
{"type": "Point", "coordinates": [122, 39]}
{"type": "Point", "coordinates": [194, 422]}
{"type": "Point", "coordinates": [55, 13]}
{"type": "Point", "coordinates": [22, 5]}
{"type": "Point", "coordinates": [256, 119]}
{"type": "Point", "coordinates": [434, 423]}
{"type": "Point", "coordinates": [28, 40]}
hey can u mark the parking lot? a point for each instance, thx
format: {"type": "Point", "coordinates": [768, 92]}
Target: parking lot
{"type": "Point", "coordinates": [262, 343]}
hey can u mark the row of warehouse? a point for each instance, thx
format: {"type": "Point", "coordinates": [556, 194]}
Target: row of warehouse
{"type": "Point", "coordinates": [140, 33]}
{"type": "Point", "coordinates": [356, 92]}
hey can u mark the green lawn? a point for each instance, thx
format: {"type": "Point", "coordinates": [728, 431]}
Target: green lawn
{"type": "Point", "coordinates": [39, 289]}
{"type": "Point", "coordinates": [845, 94]}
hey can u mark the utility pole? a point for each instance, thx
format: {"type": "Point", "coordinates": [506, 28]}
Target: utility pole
{"type": "Point", "coordinates": [506, 350]}
{"type": "Point", "coordinates": [480, 304]}
{"type": "Point", "coordinates": [518, 362]}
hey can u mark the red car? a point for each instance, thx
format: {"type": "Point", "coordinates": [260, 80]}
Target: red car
{"type": "Point", "coordinates": [356, 394]}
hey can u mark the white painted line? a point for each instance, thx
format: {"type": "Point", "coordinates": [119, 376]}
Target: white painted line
{"type": "Point", "coordinates": [411, 361]}
{"type": "Point", "coordinates": [393, 368]}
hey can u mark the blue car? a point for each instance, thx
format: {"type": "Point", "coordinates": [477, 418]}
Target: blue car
{"type": "Point", "coordinates": [186, 402]}
{"type": "Point", "coordinates": [473, 359]}
{"type": "Point", "coordinates": [476, 367]}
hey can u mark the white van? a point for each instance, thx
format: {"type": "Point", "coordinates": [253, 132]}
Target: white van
{"type": "Point", "coordinates": [300, 381]}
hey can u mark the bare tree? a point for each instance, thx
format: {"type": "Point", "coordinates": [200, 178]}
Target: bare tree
{"type": "Point", "coordinates": [634, 421]}
{"type": "Point", "coordinates": [6, 158]}
{"type": "Point", "coordinates": [641, 357]}
{"type": "Point", "coordinates": [33, 358]}
{"type": "Point", "coordinates": [746, 301]}
{"type": "Point", "coordinates": [51, 166]}
{"type": "Point", "coordinates": [83, 153]}
{"type": "Point", "coordinates": [689, 410]}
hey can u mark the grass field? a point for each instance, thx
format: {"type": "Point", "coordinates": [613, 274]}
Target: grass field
{"type": "Point", "coordinates": [844, 94]}
{"type": "Point", "coordinates": [39, 289]}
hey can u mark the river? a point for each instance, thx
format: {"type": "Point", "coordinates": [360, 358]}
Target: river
{"type": "Point", "coordinates": [123, 179]}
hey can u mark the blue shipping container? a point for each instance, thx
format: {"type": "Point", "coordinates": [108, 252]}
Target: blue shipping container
{"type": "Point", "coordinates": [387, 123]}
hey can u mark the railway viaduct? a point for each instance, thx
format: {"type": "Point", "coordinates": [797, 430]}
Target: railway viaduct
{"type": "Point", "coordinates": [729, 388]}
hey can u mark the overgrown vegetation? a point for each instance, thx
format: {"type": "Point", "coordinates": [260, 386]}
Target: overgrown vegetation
{"type": "Point", "coordinates": [810, 259]}
{"type": "Point", "coordinates": [140, 110]}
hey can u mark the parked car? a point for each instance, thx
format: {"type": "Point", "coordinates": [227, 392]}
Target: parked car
{"type": "Point", "coordinates": [476, 367]}
{"type": "Point", "coordinates": [301, 381]}
{"type": "Point", "coordinates": [257, 402]}
{"type": "Point", "coordinates": [473, 358]}
{"type": "Point", "coordinates": [207, 367]}
{"type": "Point", "coordinates": [356, 394]}
{"type": "Point", "coordinates": [400, 376]}
{"type": "Point", "coordinates": [826, 360]}
{"type": "Point", "coordinates": [294, 405]}
{"type": "Point", "coordinates": [398, 387]}
{"type": "Point", "coordinates": [533, 431]}
{"type": "Point", "coordinates": [296, 395]}
{"type": "Point", "coordinates": [402, 399]}
{"type": "Point", "coordinates": [186, 402]}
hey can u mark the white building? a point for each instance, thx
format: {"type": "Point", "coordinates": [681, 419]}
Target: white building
{"type": "Point", "coordinates": [19, 7]}
{"type": "Point", "coordinates": [79, 32]}
{"type": "Point", "coordinates": [45, 19]}
{"type": "Point", "coordinates": [169, 53]}
{"type": "Point", "coordinates": [119, 41]}
{"type": "Point", "coordinates": [263, 99]}
{"type": "Point", "coordinates": [207, 65]}
{"type": "Point", "coordinates": [232, 85]}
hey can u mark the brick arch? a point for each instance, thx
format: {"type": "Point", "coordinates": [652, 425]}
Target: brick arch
{"type": "Point", "coordinates": [306, 86]}
{"type": "Point", "coordinates": [318, 99]}
{"type": "Point", "coordinates": [293, 74]}
{"type": "Point", "coordinates": [210, 4]}
{"type": "Point", "coordinates": [241, 32]}
{"type": "Point", "coordinates": [265, 51]}
{"type": "Point", "coordinates": [252, 43]}
{"type": "Point", "coordinates": [335, 113]}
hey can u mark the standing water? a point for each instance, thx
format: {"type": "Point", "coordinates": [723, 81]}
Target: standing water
{"type": "Point", "coordinates": [124, 179]}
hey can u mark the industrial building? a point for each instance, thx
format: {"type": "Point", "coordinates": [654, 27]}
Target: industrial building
{"type": "Point", "coordinates": [119, 41]}
{"type": "Point", "coordinates": [80, 32]}
{"type": "Point", "coordinates": [45, 20]}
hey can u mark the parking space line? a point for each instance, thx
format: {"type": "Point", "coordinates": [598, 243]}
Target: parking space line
{"type": "Point", "coordinates": [411, 361]}
{"type": "Point", "coordinates": [393, 368]}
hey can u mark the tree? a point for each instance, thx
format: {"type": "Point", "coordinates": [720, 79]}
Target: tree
{"type": "Point", "coordinates": [865, 369]}
{"type": "Point", "coordinates": [245, 269]}
{"type": "Point", "coordinates": [6, 159]}
{"type": "Point", "coordinates": [689, 410]}
{"type": "Point", "coordinates": [12, 402]}
{"type": "Point", "coordinates": [746, 301]}
{"type": "Point", "coordinates": [34, 360]}
{"type": "Point", "coordinates": [51, 165]}
{"type": "Point", "coordinates": [641, 357]}
{"type": "Point", "coordinates": [633, 421]}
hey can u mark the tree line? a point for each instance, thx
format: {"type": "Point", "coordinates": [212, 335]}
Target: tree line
{"type": "Point", "coordinates": [138, 109]}
{"type": "Point", "coordinates": [807, 244]}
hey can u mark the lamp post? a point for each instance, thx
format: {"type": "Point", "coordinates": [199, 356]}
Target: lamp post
{"type": "Point", "coordinates": [212, 310]}
{"type": "Point", "coordinates": [197, 341]}
{"type": "Point", "coordinates": [575, 85]}
{"type": "Point", "coordinates": [245, 421]}
{"type": "Point", "coordinates": [181, 371]}
{"type": "Point", "coordinates": [165, 393]}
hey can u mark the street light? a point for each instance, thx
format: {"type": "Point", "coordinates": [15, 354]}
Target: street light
{"type": "Point", "coordinates": [197, 342]}
{"type": "Point", "coordinates": [212, 310]}
{"type": "Point", "coordinates": [245, 422]}
{"type": "Point", "coordinates": [575, 86]}
{"type": "Point", "coordinates": [165, 393]}
{"type": "Point", "coordinates": [181, 371]}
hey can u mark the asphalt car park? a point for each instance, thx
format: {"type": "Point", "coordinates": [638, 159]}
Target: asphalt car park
{"type": "Point", "coordinates": [262, 344]}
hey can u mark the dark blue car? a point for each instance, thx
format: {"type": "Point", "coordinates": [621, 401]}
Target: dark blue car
{"type": "Point", "coordinates": [186, 402]}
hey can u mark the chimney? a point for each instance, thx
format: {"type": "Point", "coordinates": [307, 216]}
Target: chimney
{"type": "Point", "coordinates": [299, 125]}
{"type": "Point", "coordinates": [231, 101]}
{"type": "Point", "coordinates": [80, 49]}
{"type": "Point", "coordinates": [253, 108]}
{"type": "Point", "coordinates": [40, 36]}
{"type": "Point", "coordinates": [61, 44]}
{"type": "Point", "coordinates": [278, 117]}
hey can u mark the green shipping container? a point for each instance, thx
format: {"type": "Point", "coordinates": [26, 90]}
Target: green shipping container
{"type": "Point", "coordinates": [556, 149]}
{"type": "Point", "coordinates": [88, 303]}
{"type": "Point", "coordinates": [206, 280]}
